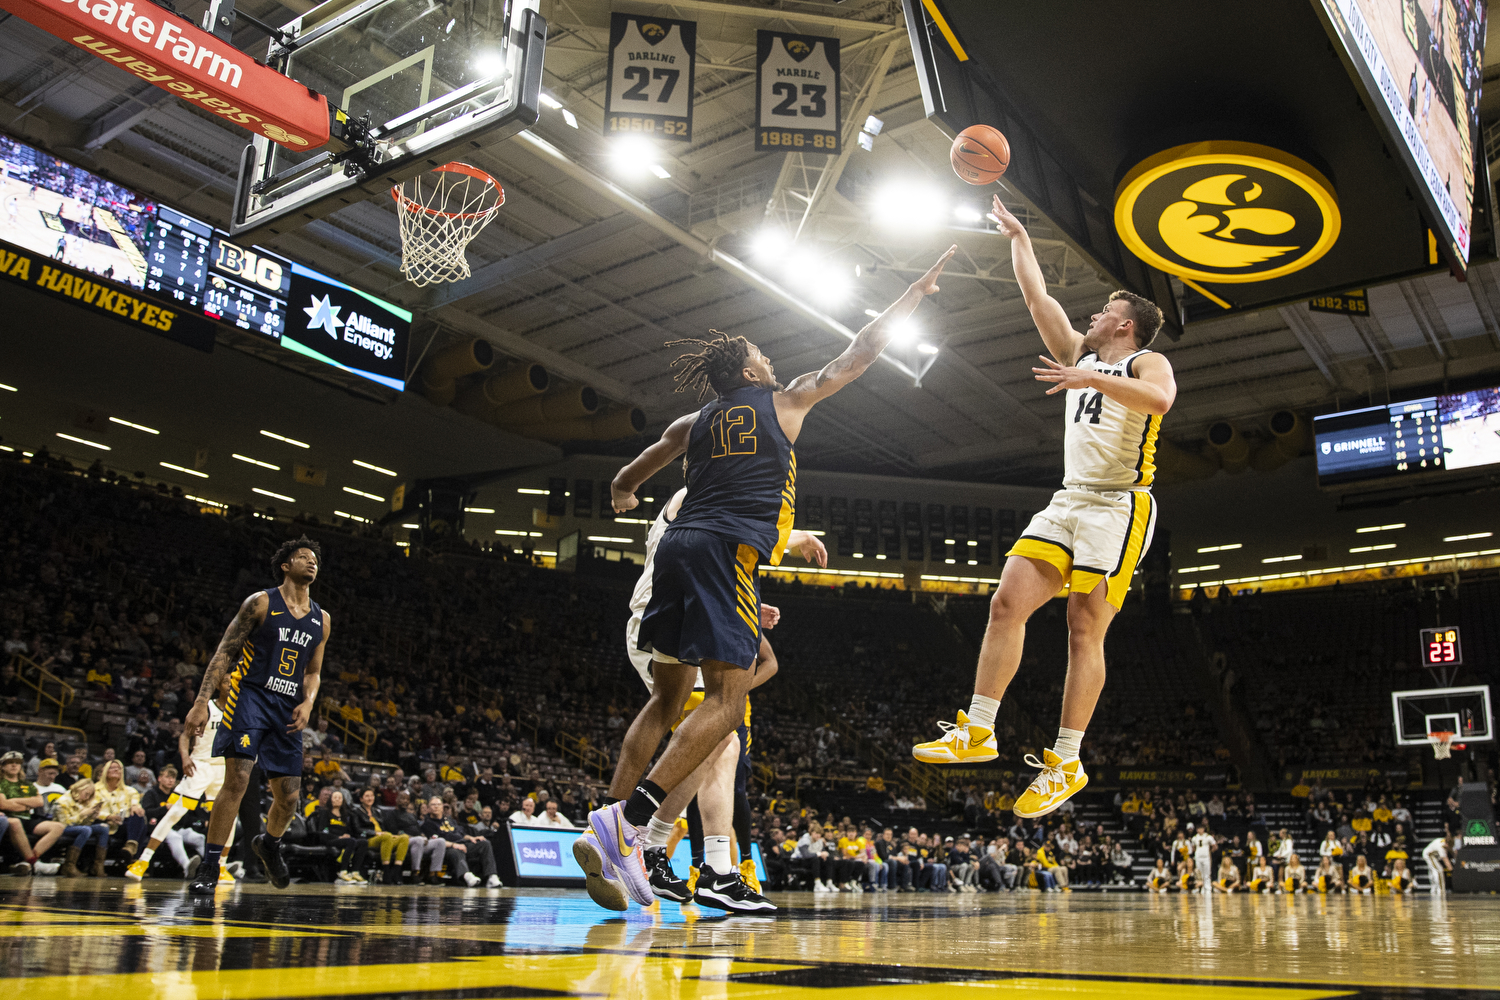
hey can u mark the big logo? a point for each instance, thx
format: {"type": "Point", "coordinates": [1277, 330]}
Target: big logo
{"type": "Point", "coordinates": [797, 48]}
{"type": "Point", "coordinates": [541, 854]}
{"type": "Point", "coordinates": [652, 32]}
{"type": "Point", "coordinates": [1228, 212]}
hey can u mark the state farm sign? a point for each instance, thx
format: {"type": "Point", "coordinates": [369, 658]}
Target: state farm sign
{"type": "Point", "coordinates": [164, 49]}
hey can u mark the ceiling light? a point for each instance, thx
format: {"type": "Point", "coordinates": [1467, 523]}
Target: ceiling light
{"type": "Point", "coordinates": [268, 493]}
{"type": "Point", "coordinates": [769, 242]}
{"type": "Point", "coordinates": [973, 542]}
{"type": "Point", "coordinates": [285, 440]}
{"type": "Point", "coordinates": [859, 555]}
{"type": "Point", "coordinates": [550, 101]}
{"type": "Point", "coordinates": [1198, 569]}
{"type": "Point", "coordinates": [660, 171]}
{"type": "Point", "coordinates": [178, 468]}
{"type": "Point", "coordinates": [873, 125]}
{"type": "Point", "coordinates": [1281, 559]}
{"type": "Point", "coordinates": [631, 520]}
{"type": "Point", "coordinates": [488, 62]}
{"type": "Point", "coordinates": [872, 313]}
{"type": "Point", "coordinates": [535, 493]}
{"type": "Point", "coordinates": [570, 118]}
{"type": "Point", "coordinates": [138, 427]}
{"type": "Point", "coordinates": [902, 331]}
{"type": "Point", "coordinates": [8, 388]}
{"type": "Point", "coordinates": [967, 213]}
{"type": "Point", "coordinates": [373, 468]}
{"type": "Point", "coordinates": [519, 534]}
{"type": "Point", "coordinates": [352, 517]}
{"type": "Point", "coordinates": [6, 447]}
{"type": "Point", "coordinates": [1375, 548]}
{"type": "Point", "coordinates": [927, 349]}
{"type": "Point", "coordinates": [1465, 538]}
{"type": "Point", "coordinates": [909, 205]}
{"type": "Point", "coordinates": [256, 461]}
{"type": "Point", "coordinates": [879, 555]}
{"type": "Point", "coordinates": [479, 510]}
{"type": "Point", "coordinates": [411, 526]}
{"type": "Point", "coordinates": [1379, 527]}
{"type": "Point", "coordinates": [866, 142]}
{"type": "Point", "coordinates": [79, 440]}
{"type": "Point", "coordinates": [610, 538]}
{"type": "Point", "coordinates": [633, 153]}
{"type": "Point", "coordinates": [211, 503]}
{"type": "Point", "coordinates": [362, 493]}
{"type": "Point", "coordinates": [1222, 548]}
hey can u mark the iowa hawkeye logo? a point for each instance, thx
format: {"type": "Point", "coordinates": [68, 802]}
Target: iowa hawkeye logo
{"type": "Point", "coordinates": [1228, 212]}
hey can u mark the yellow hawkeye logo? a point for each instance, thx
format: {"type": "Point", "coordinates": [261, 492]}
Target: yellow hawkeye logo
{"type": "Point", "coordinates": [653, 31]}
{"type": "Point", "coordinates": [245, 742]}
{"type": "Point", "coordinates": [798, 47]}
{"type": "Point", "coordinates": [1228, 212]}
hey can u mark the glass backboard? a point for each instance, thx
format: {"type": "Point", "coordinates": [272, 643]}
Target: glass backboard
{"type": "Point", "coordinates": [1463, 711]}
{"type": "Point", "coordinates": [411, 83]}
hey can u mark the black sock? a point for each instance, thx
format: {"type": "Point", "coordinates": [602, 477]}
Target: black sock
{"type": "Point", "coordinates": [211, 853]}
{"type": "Point", "coordinates": [742, 824]}
{"type": "Point", "coordinates": [644, 802]}
{"type": "Point", "coordinates": [273, 843]}
{"type": "Point", "coordinates": [610, 800]}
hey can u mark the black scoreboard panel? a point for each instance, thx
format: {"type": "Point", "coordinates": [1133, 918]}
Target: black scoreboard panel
{"type": "Point", "coordinates": [177, 256]}
{"type": "Point", "coordinates": [1441, 647]}
{"type": "Point", "coordinates": [247, 286]}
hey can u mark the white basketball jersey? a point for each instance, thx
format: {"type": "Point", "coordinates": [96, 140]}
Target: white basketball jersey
{"type": "Point", "coordinates": [641, 596]}
{"type": "Point", "coordinates": [813, 103]}
{"type": "Point", "coordinates": [633, 93]}
{"type": "Point", "coordinates": [1107, 445]}
{"type": "Point", "coordinates": [203, 746]}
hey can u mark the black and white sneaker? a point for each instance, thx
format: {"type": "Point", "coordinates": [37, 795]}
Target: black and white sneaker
{"type": "Point", "coordinates": [664, 881]}
{"type": "Point", "coordinates": [729, 892]}
{"type": "Point", "coordinates": [205, 880]}
{"type": "Point", "coordinates": [274, 863]}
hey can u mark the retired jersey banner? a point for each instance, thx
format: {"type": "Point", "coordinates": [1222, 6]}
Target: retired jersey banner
{"type": "Point", "coordinates": [174, 54]}
{"type": "Point", "coordinates": [796, 93]}
{"type": "Point", "coordinates": [649, 88]}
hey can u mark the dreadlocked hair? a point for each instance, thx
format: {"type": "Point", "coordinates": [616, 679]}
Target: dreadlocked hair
{"type": "Point", "coordinates": [717, 365]}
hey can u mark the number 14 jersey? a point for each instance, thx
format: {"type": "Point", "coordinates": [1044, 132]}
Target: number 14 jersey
{"type": "Point", "coordinates": [1107, 445]}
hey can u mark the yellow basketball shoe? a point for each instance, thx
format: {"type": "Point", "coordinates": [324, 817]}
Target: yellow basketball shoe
{"type": "Point", "coordinates": [1056, 782]}
{"type": "Point", "coordinates": [226, 877]}
{"type": "Point", "coordinates": [137, 870]}
{"type": "Point", "coordinates": [747, 872]}
{"type": "Point", "coordinates": [961, 743]}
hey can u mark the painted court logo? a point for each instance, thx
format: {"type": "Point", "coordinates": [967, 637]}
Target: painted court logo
{"type": "Point", "coordinates": [1226, 212]}
{"type": "Point", "coordinates": [541, 854]}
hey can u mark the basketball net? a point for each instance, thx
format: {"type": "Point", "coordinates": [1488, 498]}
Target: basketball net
{"type": "Point", "coordinates": [1442, 744]}
{"type": "Point", "coordinates": [440, 212]}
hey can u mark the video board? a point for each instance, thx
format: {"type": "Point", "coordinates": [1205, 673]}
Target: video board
{"type": "Point", "coordinates": [1434, 434]}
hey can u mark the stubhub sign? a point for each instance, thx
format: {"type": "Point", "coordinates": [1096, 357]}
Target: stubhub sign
{"type": "Point", "coordinates": [540, 854]}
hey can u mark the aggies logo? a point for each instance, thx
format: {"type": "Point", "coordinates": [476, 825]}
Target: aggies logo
{"type": "Point", "coordinates": [1226, 212]}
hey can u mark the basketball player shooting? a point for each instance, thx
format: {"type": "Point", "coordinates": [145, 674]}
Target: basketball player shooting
{"type": "Point", "coordinates": [1092, 534]}
{"type": "Point", "coordinates": [705, 599]}
{"type": "Point", "coordinates": [276, 644]}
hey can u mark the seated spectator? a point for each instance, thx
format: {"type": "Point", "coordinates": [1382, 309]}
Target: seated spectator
{"type": "Point", "coordinates": [876, 870]}
{"type": "Point", "coordinates": [553, 818]}
{"type": "Point", "coordinates": [136, 765]}
{"type": "Point", "coordinates": [327, 769]}
{"type": "Point", "coordinates": [78, 811]}
{"type": "Point", "coordinates": [526, 815]}
{"type": "Point", "coordinates": [23, 806]}
{"type": "Point", "coordinates": [1048, 859]}
{"type": "Point", "coordinates": [899, 869]}
{"type": "Point", "coordinates": [1120, 862]}
{"type": "Point", "coordinates": [407, 819]}
{"type": "Point", "coordinates": [391, 846]}
{"type": "Point", "coordinates": [33, 766]}
{"type": "Point", "coordinates": [462, 849]}
{"type": "Point", "coordinates": [121, 808]}
{"type": "Point", "coordinates": [336, 826]}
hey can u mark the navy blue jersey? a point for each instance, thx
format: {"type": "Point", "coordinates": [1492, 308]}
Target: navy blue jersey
{"type": "Point", "coordinates": [269, 673]}
{"type": "Point", "coordinates": [742, 473]}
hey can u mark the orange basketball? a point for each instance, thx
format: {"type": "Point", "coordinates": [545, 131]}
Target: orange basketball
{"type": "Point", "coordinates": [980, 154]}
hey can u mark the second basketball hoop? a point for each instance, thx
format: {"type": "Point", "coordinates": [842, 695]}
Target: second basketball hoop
{"type": "Point", "coordinates": [440, 212]}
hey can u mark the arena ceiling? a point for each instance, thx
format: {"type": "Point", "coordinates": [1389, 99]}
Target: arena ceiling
{"type": "Point", "coordinates": [568, 278]}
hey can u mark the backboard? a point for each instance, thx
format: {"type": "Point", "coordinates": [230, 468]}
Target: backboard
{"type": "Point", "coordinates": [410, 83]}
{"type": "Point", "coordinates": [1463, 711]}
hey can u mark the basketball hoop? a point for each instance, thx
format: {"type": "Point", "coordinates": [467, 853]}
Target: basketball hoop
{"type": "Point", "coordinates": [1442, 744]}
{"type": "Point", "coordinates": [440, 212]}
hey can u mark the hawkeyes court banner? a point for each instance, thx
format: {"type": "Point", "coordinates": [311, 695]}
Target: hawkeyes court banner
{"type": "Point", "coordinates": [796, 93]}
{"type": "Point", "coordinates": [88, 291]}
{"type": "Point", "coordinates": [649, 88]}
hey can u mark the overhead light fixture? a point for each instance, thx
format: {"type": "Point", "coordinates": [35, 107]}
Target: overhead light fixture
{"type": "Point", "coordinates": [285, 440]}
{"type": "Point", "coordinates": [79, 440]}
{"type": "Point", "coordinates": [1199, 569]}
{"type": "Point", "coordinates": [636, 154]}
{"type": "Point", "coordinates": [872, 313]}
{"type": "Point", "coordinates": [479, 510]}
{"type": "Point", "coordinates": [660, 171]}
{"type": "Point", "coordinates": [866, 142]}
{"type": "Point", "coordinates": [610, 538]}
{"type": "Point", "coordinates": [8, 388]}
{"type": "Point", "coordinates": [418, 526]}
{"type": "Point", "coordinates": [873, 125]}
{"type": "Point", "coordinates": [352, 517]}
{"type": "Point", "coordinates": [1373, 548]}
{"type": "Point", "coordinates": [270, 493]}
{"type": "Point", "coordinates": [769, 243]}
{"type": "Point", "coordinates": [373, 468]}
{"type": "Point", "coordinates": [902, 331]}
{"type": "Point", "coordinates": [967, 213]}
{"type": "Point", "coordinates": [132, 426]}
{"type": "Point", "coordinates": [927, 348]}
{"type": "Point", "coordinates": [570, 118]}
{"type": "Point", "coordinates": [1379, 527]}
{"type": "Point", "coordinates": [550, 101]}
{"type": "Point", "coordinates": [1465, 538]}
{"type": "Point", "coordinates": [362, 493]}
{"type": "Point", "coordinates": [182, 469]}
{"type": "Point", "coordinates": [519, 534]}
{"type": "Point", "coordinates": [1281, 559]}
{"type": "Point", "coordinates": [535, 493]}
{"type": "Point", "coordinates": [909, 205]}
{"type": "Point", "coordinates": [631, 520]}
{"type": "Point", "coordinates": [1222, 548]}
{"type": "Point", "coordinates": [6, 447]}
{"type": "Point", "coordinates": [211, 503]}
{"type": "Point", "coordinates": [255, 461]}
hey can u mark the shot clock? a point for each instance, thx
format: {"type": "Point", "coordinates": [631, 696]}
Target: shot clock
{"type": "Point", "coordinates": [1441, 647]}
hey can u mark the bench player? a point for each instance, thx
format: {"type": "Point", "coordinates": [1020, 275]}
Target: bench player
{"type": "Point", "coordinates": [1093, 533]}
{"type": "Point", "coordinates": [275, 644]}
{"type": "Point", "coordinates": [202, 777]}
{"type": "Point", "coordinates": [703, 612]}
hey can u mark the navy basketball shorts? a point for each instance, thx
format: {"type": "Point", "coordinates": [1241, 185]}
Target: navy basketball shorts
{"type": "Point", "coordinates": [705, 600]}
{"type": "Point", "coordinates": [254, 731]}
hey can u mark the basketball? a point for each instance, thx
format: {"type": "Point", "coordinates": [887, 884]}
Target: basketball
{"type": "Point", "coordinates": [980, 154]}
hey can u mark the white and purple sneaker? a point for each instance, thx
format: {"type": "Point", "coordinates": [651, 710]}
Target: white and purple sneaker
{"type": "Point", "coordinates": [601, 879]}
{"type": "Point", "coordinates": [623, 848]}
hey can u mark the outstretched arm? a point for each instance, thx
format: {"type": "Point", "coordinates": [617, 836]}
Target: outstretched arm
{"type": "Point", "coordinates": [807, 390]}
{"type": "Point", "coordinates": [1152, 391]}
{"type": "Point", "coordinates": [251, 614]}
{"type": "Point", "coordinates": [674, 441]}
{"type": "Point", "coordinates": [1065, 343]}
{"type": "Point", "coordinates": [312, 679]}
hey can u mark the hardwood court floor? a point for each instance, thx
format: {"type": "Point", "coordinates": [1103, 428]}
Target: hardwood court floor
{"type": "Point", "coordinates": [110, 939]}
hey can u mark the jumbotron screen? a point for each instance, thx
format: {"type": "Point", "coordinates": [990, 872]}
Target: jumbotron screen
{"type": "Point", "coordinates": [1422, 64]}
{"type": "Point", "coordinates": [1435, 434]}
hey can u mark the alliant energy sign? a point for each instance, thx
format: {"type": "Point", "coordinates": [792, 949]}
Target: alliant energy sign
{"type": "Point", "coordinates": [161, 48]}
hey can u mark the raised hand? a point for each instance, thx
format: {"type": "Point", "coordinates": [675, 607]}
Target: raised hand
{"type": "Point", "coordinates": [1010, 226]}
{"type": "Point", "coordinates": [1065, 376]}
{"type": "Point", "coordinates": [927, 283]}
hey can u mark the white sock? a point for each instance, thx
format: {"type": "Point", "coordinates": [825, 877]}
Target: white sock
{"type": "Point", "coordinates": [146, 854]}
{"type": "Point", "coordinates": [716, 854]}
{"type": "Point", "coordinates": [1067, 743]}
{"type": "Point", "coordinates": [982, 711]}
{"type": "Point", "coordinates": [657, 833]}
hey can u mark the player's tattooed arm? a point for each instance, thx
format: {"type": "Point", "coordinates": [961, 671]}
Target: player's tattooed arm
{"type": "Point", "coordinates": [250, 615]}
{"type": "Point", "coordinates": [312, 680]}
{"type": "Point", "coordinates": [671, 445]}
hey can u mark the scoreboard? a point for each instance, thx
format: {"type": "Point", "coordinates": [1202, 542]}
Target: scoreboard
{"type": "Point", "coordinates": [1441, 647]}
